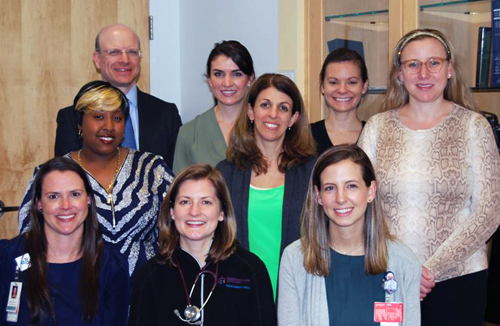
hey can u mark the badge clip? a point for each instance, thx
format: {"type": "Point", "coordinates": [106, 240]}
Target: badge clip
{"type": "Point", "coordinates": [23, 262]}
{"type": "Point", "coordinates": [390, 284]}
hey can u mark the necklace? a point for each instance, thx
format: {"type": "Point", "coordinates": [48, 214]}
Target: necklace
{"type": "Point", "coordinates": [109, 189]}
{"type": "Point", "coordinates": [348, 252]}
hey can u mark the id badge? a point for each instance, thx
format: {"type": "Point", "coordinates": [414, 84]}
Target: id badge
{"type": "Point", "coordinates": [14, 301]}
{"type": "Point", "coordinates": [388, 313]}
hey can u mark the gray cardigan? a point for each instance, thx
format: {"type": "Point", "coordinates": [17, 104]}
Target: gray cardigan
{"type": "Point", "coordinates": [296, 182]}
{"type": "Point", "coordinates": [302, 297]}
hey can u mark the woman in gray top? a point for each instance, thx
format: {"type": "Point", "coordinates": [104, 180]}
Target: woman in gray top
{"type": "Point", "coordinates": [346, 262]}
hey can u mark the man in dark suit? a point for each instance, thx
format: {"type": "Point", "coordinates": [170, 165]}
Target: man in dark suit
{"type": "Point", "coordinates": [152, 125]}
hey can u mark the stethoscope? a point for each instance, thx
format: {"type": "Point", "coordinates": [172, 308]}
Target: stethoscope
{"type": "Point", "coordinates": [192, 313]}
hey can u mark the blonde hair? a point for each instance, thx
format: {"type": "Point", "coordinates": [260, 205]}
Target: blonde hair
{"type": "Point", "coordinates": [99, 95]}
{"type": "Point", "coordinates": [314, 224]}
{"type": "Point", "coordinates": [455, 91]}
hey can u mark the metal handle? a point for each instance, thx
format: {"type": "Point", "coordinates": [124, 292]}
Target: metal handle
{"type": "Point", "coordinates": [4, 209]}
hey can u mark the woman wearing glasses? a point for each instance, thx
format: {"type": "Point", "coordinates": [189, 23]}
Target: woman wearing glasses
{"type": "Point", "coordinates": [129, 185]}
{"type": "Point", "coordinates": [201, 275]}
{"type": "Point", "coordinates": [439, 176]}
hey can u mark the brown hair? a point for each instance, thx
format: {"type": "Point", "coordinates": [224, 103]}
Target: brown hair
{"type": "Point", "coordinates": [234, 50]}
{"type": "Point", "coordinates": [342, 55]}
{"type": "Point", "coordinates": [314, 225]}
{"type": "Point", "coordinates": [38, 295]}
{"type": "Point", "coordinates": [456, 90]}
{"type": "Point", "coordinates": [224, 242]}
{"type": "Point", "coordinates": [298, 144]}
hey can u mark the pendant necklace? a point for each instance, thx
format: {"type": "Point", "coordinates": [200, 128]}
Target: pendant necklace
{"type": "Point", "coordinates": [348, 252]}
{"type": "Point", "coordinates": [109, 190]}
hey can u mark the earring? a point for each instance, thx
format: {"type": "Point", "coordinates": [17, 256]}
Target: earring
{"type": "Point", "coordinates": [251, 121]}
{"type": "Point", "coordinates": [80, 133]}
{"type": "Point", "coordinates": [289, 128]}
{"type": "Point", "coordinates": [369, 200]}
{"type": "Point", "coordinates": [449, 76]}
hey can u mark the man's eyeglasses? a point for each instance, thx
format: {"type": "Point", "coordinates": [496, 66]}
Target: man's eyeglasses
{"type": "Point", "coordinates": [131, 53]}
{"type": "Point", "coordinates": [413, 67]}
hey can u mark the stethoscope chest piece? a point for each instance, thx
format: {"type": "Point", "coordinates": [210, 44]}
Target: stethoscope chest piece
{"type": "Point", "coordinates": [192, 313]}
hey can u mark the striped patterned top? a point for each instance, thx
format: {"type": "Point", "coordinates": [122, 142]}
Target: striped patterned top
{"type": "Point", "coordinates": [138, 192]}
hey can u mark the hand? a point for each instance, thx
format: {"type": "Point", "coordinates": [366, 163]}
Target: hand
{"type": "Point", "coordinates": [427, 282]}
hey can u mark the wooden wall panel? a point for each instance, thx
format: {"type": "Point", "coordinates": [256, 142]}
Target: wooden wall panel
{"type": "Point", "coordinates": [403, 17]}
{"type": "Point", "coordinates": [314, 21]}
{"type": "Point", "coordinates": [46, 57]}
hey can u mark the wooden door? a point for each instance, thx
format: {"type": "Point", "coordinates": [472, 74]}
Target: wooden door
{"type": "Point", "coordinates": [46, 51]}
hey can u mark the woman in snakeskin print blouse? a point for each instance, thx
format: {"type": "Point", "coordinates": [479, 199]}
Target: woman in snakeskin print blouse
{"type": "Point", "coordinates": [439, 176]}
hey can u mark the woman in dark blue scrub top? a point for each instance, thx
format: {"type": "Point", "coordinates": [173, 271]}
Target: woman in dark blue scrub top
{"type": "Point", "coordinates": [346, 260]}
{"type": "Point", "coordinates": [58, 273]}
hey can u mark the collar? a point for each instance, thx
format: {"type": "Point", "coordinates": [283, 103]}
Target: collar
{"type": "Point", "coordinates": [132, 95]}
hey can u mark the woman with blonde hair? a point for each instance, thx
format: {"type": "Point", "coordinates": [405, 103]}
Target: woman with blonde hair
{"type": "Point", "coordinates": [269, 160]}
{"type": "Point", "coordinates": [129, 185]}
{"type": "Point", "coordinates": [439, 168]}
{"type": "Point", "coordinates": [201, 275]}
{"type": "Point", "coordinates": [335, 273]}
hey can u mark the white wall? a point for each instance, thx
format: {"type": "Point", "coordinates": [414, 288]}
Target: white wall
{"type": "Point", "coordinates": [165, 50]}
{"type": "Point", "coordinates": [184, 34]}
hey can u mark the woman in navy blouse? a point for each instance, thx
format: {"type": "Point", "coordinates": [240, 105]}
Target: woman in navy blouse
{"type": "Point", "coordinates": [58, 273]}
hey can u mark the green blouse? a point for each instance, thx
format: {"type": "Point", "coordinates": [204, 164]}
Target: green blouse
{"type": "Point", "coordinates": [265, 211]}
{"type": "Point", "coordinates": [199, 141]}
{"type": "Point", "coordinates": [350, 292]}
